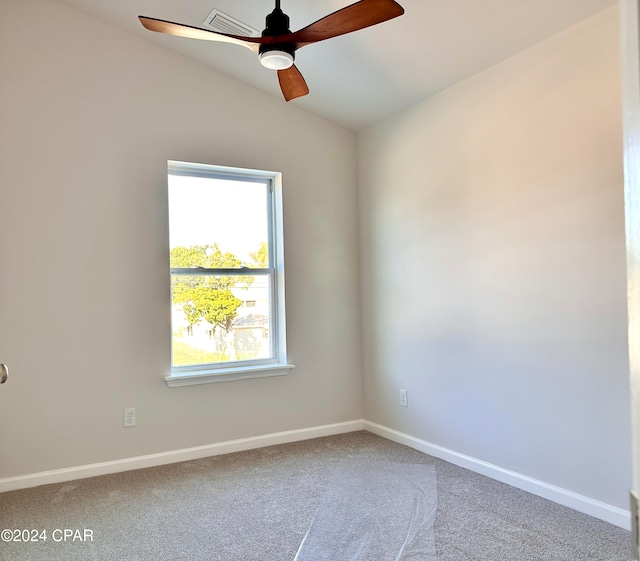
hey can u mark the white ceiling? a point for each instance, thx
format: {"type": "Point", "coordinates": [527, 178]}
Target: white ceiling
{"type": "Point", "coordinates": [358, 79]}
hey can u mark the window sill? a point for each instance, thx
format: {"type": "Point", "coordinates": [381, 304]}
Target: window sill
{"type": "Point", "coordinates": [227, 375]}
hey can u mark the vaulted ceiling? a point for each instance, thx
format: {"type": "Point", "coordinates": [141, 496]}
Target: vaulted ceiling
{"type": "Point", "coordinates": [360, 78]}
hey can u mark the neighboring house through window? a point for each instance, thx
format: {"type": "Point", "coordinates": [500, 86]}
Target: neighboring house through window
{"type": "Point", "coordinates": [227, 274]}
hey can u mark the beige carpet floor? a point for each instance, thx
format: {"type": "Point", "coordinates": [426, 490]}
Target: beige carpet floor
{"type": "Point", "coordinates": [258, 506]}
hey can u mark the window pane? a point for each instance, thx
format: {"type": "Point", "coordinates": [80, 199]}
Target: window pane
{"type": "Point", "coordinates": [218, 223]}
{"type": "Point", "coordinates": [220, 319]}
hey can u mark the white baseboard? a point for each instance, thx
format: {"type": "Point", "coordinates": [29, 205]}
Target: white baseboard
{"type": "Point", "coordinates": [597, 509]}
{"type": "Point", "coordinates": [152, 460]}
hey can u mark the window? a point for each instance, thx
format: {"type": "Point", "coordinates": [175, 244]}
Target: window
{"type": "Point", "coordinates": [227, 274]}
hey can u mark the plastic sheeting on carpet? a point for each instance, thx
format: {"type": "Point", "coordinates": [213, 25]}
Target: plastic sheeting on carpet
{"type": "Point", "coordinates": [374, 511]}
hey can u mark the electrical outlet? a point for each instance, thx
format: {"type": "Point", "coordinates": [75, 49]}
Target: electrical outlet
{"type": "Point", "coordinates": [130, 417]}
{"type": "Point", "coordinates": [403, 398]}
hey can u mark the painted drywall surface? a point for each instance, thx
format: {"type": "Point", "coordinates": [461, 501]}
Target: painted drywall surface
{"type": "Point", "coordinates": [493, 266]}
{"type": "Point", "coordinates": [89, 117]}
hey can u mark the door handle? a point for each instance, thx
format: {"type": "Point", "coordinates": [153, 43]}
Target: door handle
{"type": "Point", "coordinates": [4, 373]}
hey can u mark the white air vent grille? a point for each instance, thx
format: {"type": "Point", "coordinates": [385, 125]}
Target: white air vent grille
{"type": "Point", "coordinates": [223, 23]}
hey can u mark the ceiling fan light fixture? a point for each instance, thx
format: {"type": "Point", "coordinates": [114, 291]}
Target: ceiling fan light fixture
{"type": "Point", "coordinates": [276, 60]}
{"type": "Point", "coordinates": [277, 45]}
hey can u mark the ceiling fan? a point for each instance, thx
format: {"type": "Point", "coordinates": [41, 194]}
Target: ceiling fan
{"type": "Point", "coordinates": [277, 47]}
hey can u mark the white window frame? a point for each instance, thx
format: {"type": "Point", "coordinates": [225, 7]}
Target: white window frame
{"type": "Point", "coordinates": [276, 365]}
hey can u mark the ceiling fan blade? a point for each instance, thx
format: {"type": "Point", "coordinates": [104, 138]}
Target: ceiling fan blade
{"type": "Point", "coordinates": [352, 18]}
{"type": "Point", "coordinates": [292, 83]}
{"type": "Point", "coordinates": [181, 30]}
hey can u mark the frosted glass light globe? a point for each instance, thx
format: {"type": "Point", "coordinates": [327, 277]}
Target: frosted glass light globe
{"type": "Point", "coordinates": [276, 60]}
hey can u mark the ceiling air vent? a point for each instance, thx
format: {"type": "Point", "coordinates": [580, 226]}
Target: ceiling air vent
{"type": "Point", "coordinates": [223, 23]}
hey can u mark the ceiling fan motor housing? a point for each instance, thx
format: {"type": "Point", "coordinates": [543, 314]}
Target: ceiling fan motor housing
{"type": "Point", "coordinates": [277, 24]}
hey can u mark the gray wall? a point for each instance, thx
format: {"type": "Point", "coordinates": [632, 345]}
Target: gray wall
{"type": "Point", "coordinates": [493, 266]}
{"type": "Point", "coordinates": [89, 116]}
